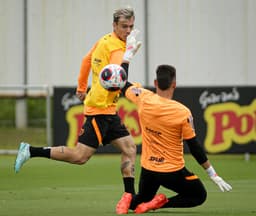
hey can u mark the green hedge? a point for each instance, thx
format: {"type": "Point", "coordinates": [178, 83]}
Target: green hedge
{"type": "Point", "coordinates": [36, 112]}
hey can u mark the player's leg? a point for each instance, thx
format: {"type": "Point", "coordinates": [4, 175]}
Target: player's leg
{"type": "Point", "coordinates": [147, 198]}
{"type": "Point", "coordinates": [82, 152]}
{"type": "Point", "coordinates": [78, 155]}
{"type": "Point", "coordinates": [190, 190]}
{"type": "Point", "coordinates": [119, 137]}
{"type": "Point", "coordinates": [148, 187]}
{"type": "Point", "coordinates": [128, 157]}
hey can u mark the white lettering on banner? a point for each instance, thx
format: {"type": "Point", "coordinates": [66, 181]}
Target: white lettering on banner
{"type": "Point", "coordinates": [207, 98]}
{"type": "Point", "coordinates": [69, 100]}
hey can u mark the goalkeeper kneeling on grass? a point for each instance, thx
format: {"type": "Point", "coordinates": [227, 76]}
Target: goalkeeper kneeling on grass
{"type": "Point", "coordinates": [165, 124]}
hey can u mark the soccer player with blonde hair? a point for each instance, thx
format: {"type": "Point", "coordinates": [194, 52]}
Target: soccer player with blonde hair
{"type": "Point", "coordinates": [102, 125]}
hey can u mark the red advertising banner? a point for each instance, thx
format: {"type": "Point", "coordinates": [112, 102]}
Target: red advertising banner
{"type": "Point", "coordinates": [224, 117]}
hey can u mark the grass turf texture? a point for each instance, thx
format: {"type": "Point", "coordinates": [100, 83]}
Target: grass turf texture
{"type": "Point", "coordinates": [45, 187]}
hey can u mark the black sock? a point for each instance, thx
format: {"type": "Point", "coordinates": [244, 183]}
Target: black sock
{"type": "Point", "coordinates": [129, 185]}
{"type": "Point", "coordinates": [40, 151]}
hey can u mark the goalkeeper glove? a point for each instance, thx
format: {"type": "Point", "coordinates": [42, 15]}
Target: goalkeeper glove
{"type": "Point", "coordinates": [224, 186]}
{"type": "Point", "coordinates": [132, 45]}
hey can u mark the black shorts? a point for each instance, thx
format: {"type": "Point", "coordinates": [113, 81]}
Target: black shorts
{"type": "Point", "coordinates": [101, 129]}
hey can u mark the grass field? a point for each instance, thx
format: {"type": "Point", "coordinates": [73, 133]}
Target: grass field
{"type": "Point", "coordinates": [46, 187]}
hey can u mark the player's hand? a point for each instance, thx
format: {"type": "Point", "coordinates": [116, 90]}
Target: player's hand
{"type": "Point", "coordinates": [81, 95]}
{"type": "Point", "coordinates": [224, 186]}
{"type": "Point", "coordinates": [132, 45]}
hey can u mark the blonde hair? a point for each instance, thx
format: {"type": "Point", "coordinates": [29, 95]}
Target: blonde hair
{"type": "Point", "coordinates": [126, 12]}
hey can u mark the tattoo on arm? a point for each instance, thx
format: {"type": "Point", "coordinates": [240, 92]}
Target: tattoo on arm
{"type": "Point", "coordinates": [124, 165]}
{"type": "Point", "coordinates": [133, 170]}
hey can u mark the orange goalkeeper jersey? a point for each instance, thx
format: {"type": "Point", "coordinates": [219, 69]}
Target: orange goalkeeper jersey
{"type": "Point", "coordinates": [165, 123]}
{"type": "Point", "coordinates": [108, 50]}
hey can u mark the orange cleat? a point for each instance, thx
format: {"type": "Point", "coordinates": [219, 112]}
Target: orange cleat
{"type": "Point", "coordinates": [157, 202]}
{"type": "Point", "coordinates": [123, 205]}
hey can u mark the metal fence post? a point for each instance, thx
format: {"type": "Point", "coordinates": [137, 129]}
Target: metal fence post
{"type": "Point", "coordinates": [48, 117]}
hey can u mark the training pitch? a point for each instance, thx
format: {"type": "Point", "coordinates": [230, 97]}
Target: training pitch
{"type": "Point", "coordinates": [45, 187]}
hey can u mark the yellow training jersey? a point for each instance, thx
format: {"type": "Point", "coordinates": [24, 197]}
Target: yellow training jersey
{"type": "Point", "coordinates": [99, 100]}
{"type": "Point", "coordinates": [164, 123]}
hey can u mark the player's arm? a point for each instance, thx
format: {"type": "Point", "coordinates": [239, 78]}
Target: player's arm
{"type": "Point", "coordinates": [196, 150]}
{"type": "Point", "coordinates": [84, 74]}
{"type": "Point", "coordinates": [200, 156]}
{"type": "Point", "coordinates": [125, 66]}
{"type": "Point", "coordinates": [132, 46]}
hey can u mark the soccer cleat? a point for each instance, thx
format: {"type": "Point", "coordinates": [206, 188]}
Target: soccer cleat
{"type": "Point", "coordinates": [22, 156]}
{"type": "Point", "coordinates": [123, 205]}
{"type": "Point", "coordinates": [157, 202]}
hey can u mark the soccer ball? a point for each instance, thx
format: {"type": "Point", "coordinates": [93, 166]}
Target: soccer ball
{"type": "Point", "coordinates": [113, 77]}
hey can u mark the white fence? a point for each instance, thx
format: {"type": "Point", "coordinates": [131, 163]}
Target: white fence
{"type": "Point", "coordinates": [211, 43]}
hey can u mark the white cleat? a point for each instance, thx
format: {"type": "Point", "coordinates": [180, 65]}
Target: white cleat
{"type": "Point", "coordinates": [22, 156]}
